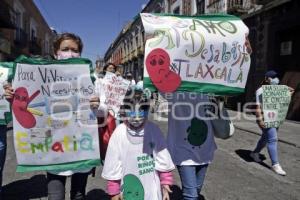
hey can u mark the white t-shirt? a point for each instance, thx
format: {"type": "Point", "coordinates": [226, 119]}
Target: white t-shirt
{"type": "Point", "coordinates": [69, 172]}
{"type": "Point", "coordinates": [135, 161]}
{"type": "Point", "coordinates": [190, 138]}
{"type": "Point", "coordinates": [132, 82]}
{"type": "Point", "coordinates": [258, 95]}
{"type": "Point", "coordinates": [103, 108]}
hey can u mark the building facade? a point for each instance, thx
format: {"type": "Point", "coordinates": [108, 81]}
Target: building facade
{"type": "Point", "coordinates": [128, 48]}
{"type": "Point", "coordinates": [23, 30]}
{"type": "Point", "coordinates": [236, 7]}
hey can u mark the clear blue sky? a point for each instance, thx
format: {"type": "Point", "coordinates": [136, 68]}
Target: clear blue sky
{"type": "Point", "coordinates": [97, 22]}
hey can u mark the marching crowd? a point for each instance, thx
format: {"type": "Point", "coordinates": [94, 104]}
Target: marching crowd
{"type": "Point", "coordinates": [138, 160]}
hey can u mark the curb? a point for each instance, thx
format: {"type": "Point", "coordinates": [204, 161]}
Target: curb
{"type": "Point", "coordinates": [292, 121]}
{"type": "Point", "coordinates": [254, 132]}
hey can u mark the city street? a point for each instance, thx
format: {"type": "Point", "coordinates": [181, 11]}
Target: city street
{"type": "Point", "coordinates": [232, 176]}
{"type": "Point", "coordinates": [59, 59]}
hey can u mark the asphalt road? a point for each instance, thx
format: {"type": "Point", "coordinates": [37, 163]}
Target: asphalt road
{"type": "Point", "coordinates": [232, 175]}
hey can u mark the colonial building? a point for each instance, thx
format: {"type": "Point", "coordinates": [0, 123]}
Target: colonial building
{"type": "Point", "coordinates": [236, 7]}
{"type": "Point", "coordinates": [23, 30]}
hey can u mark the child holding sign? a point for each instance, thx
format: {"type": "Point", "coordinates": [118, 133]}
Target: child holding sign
{"type": "Point", "coordinates": [137, 157]}
{"type": "Point", "coordinates": [269, 135]}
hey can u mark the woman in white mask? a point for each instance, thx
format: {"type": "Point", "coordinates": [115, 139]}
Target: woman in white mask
{"type": "Point", "coordinates": [269, 135]}
{"type": "Point", "coordinates": [66, 45]}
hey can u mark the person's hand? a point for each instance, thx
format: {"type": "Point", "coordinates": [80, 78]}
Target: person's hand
{"type": "Point", "coordinates": [166, 190]}
{"type": "Point", "coordinates": [117, 73]}
{"type": "Point", "coordinates": [248, 45]}
{"type": "Point", "coordinates": [94, 103]}
{"type": "Point", "coordinates": [261, 124]}
{"type": "Point", "coordinates": [116, 197]}
{"type": "Point", "coordinates": [8, 91]}
{"type": "Point", "coordinates": [291, 90]}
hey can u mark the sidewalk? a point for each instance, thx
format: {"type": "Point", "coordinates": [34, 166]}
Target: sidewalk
{"type": "Point", "coordinates": [289, 131]}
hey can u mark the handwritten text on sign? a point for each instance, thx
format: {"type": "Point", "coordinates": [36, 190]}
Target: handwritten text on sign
{"type": "Point", "coordinates": [4, 104]}
{"type": "Point", "coordinates": [194, 53]}
{"type": "Point", "coordinates": [53, 123]}
{"type": "Point", "coordinates": [275, 101]}
{"type": "Point", "coordinates": [112, 91]}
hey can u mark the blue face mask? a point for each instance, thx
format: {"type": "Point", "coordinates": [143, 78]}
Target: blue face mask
{"type": "Point", "coordinates": [274, 81]}
{"type": "Point", "coordinates": [136, 114]}
{"type": "Point", "coordinates": [136, 119]}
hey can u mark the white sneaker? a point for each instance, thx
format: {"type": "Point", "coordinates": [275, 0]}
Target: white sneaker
{"type": "Point", "coordinates": [278, 169]}
{"type": "Point", "coordinates": [255, 157]}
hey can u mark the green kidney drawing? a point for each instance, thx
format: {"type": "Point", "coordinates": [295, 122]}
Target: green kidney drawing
{"type": "Point", "coordinates": [132, 188]}
{"type": "Point", "coordinates": [197, 132]}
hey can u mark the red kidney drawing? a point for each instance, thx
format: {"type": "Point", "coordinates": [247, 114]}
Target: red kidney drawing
{"type": "Point", "coordinates": [19, 106]}
{"type": "Point", "coordinates": [271, 115]}
{"type": "Point", "coordinates": [158, 67]}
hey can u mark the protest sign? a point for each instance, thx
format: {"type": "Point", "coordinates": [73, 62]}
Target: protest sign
{"type": "Point", "coordinates": [275, 102]}
{"type": "Point", "coordinates": [5, 72]}
{"type": "Point", "coordinates": [112, 90]}
{"type": "Point", "coordinates": [195, 53]}
{"type": "Point", "coordinates": [54, 128]}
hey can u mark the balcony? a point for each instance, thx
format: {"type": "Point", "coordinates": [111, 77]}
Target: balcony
{"type": "Point", "coordinates": [239, 7]}
{"type": "Point", "coordinates": [134, 54]}
{"type": "Point", "coordinates": [216, 6]}
{"type": "Point", "coordinates": [124, 59]}
{"type": "Point", "coordinates": [140, 50]}
{"type": "Point", "coordinates": [6, 15]}
{"type": "Point", "coordinates": [129, 56]}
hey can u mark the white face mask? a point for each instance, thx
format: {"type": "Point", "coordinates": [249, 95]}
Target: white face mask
{"type": "Point", "coordinates": [274, 81]}
{"type": "Point", "coordinates": [61, 55]}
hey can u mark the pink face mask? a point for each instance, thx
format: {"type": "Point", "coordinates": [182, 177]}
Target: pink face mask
{"type": "Point", "coordinates": [61, 55]}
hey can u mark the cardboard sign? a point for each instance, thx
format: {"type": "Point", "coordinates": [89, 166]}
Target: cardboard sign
{"type": "Point", "coordinates": [112, 90]}
{"type": "Point", "coordinates": [196, 54]}
{"type": "Point", "coordinates": [53, 124]}
{"type": "Point", "coordinates": [275, 101]}
{"type": "Point", "coordinates": [6, 69]}
{"type": "Point", "coordinates": [4, 105]}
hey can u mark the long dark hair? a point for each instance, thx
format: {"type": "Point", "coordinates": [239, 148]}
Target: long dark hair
{"type": "Point", "coordinates": [107, 65]}
{"type": "Point", "coordinates": [265, 81]}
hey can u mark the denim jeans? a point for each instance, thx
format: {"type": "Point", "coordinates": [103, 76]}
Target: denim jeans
{"type": "Point", "coordinates": [57, 183]}
{"type": "Point", "coordinates": [269, 138]}
{"type": "Point", "coordinates": [192, 178]}
{"type": "Point", "coordinates": [3, 130]}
